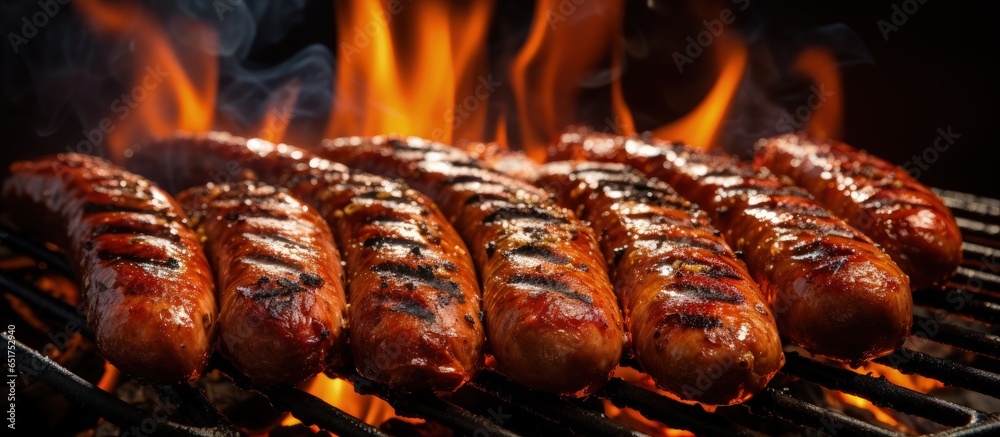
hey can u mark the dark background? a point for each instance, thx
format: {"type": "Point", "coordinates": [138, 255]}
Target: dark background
{"type": "Point", "coordinates": [938, 69]}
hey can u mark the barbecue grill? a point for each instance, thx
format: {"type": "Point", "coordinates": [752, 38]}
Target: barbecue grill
{"type": "Point", "coordinates": [493, 405]}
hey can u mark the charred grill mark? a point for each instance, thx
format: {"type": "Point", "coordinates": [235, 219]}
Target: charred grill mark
{"type": "Point", "coordinates": [750, 190]}
{"type": "Point", "coordinates": [656, 218]}
{"type": "Point", "coordinates": [802, 209]}
{"type": "Point", "coordinates": [114, 257]}
{"type": "Point", "coordinates": [522, 211]}
{"type": "Point", "coordinates": [698, 321]}
{"type": "Point", "coordinates": [384, 241]}
{"type": "Point", "coordinates": [423, 274]}
{"type": "Point", "coordinates": [464, 179]}
{"type": "Point", "coordinates": [96, 208]}
{"type": "Point", "coordinates": [414, 309]}
{"type": "Point", "coordinates": [824, 228]}
{"type": "Point", "coordinates": [539, 252]}
{"type": "Point", "coordinates": [600, 169]}
{"type": "Point", "coordinates": [278, 239]}
{"type": "Point", "coordinates": [715, 247]}
{"type": "Point", "coordinates": [163, 232]}
{"type": "Point", "coordinates": [716, 294]}
{"type": "Point", "coordinates": [478, 198]}
{"type": "Point", "coordinates": [550, 284]}
{"type": "Point", "coordinates": [818, 250]}
{"type": "Point", "coordinates": [885, 203]}
{"type": "Point", "coordinates": [714, 271]}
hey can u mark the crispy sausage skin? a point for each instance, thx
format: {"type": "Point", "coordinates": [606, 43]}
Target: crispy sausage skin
{"type": "Point", "coordinates": [414, 304]}
{"type": "Point", "coordinates": [690, 304]}
{"type": "Point", "coordinates": [551, 316]}
{"type": "Point", "coordinates": [146, 284]}
{"type": "Point", "coordinates": [832, 291]}
{"type": "Point", "coordinates": [281, 295]}
{"type": "Point", "coordinates": [901, 215]}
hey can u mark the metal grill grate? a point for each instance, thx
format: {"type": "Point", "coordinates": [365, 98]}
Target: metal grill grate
{"type": "Point", "coordinates": [972, 296]}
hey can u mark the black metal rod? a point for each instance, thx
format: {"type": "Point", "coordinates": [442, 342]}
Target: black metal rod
{"type": "Point", "coordinates": [428, 406]}
{"type": "Point", "coordinates": [577, 418]}
{"type": "Point", "coordinates": [972, 305]}
{"type": "Point", "coordinates": [655, 406]}
{"type": "Point", "coordinates": [195, 406]}
{"type": "Point", "coordinates": [93, 399]}
{"type": "Point", "coordinates": [969, 202]}
{"type": "Point", "coordinates": [953, 335]}
{"type": "Point", "coordinates": [978, 251]}
{"type": "Point", "coordinates": [878, 390]}
{"type": "Point", "coordinates": [45, 303]}
{"type": "Point", "coordinates": [304, 406]}
{"type": "Point", "coordinates": [771, 403]}
{"type": "Point", "coordinates": [58, 262]}
{"type": "Point", "coordinates": [986, 280]}
{"type": "Point", "coordinates": [949, 372]}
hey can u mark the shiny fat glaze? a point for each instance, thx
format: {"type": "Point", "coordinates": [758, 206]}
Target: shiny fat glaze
{"type": "Point", "coordinates": [281, 295]}
{"type": "Point", "coordinates": [551, 315]}
{"type": "Point", "coordinates": [901, 215]}
{"type": "Point", "coordinates": [832, 291]}
{"type": "Point", "coordinates": [146, 284]}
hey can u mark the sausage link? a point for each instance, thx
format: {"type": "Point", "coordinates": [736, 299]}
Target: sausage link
{"type": "Point", "coordinates": [901, 215]}
{"type": "Point", "coordinates": [280, 281]}
{"type": "Point", "coordinates": [146, 284]}
{"type": "Point", "coordinates": [414, 304]}
{"type": "Point", "coordinates": [552, 319]}
{"type": "Point", "coordinates": [832, 291]}
{"type": "Point", "coordinates": [689, 303]}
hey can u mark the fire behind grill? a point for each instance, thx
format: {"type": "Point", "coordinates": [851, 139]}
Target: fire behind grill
{"type": "Point", "coordinates": [973, 295]}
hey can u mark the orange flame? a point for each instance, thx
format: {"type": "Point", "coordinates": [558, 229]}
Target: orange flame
{"type": "Point", "coordinates": [423, 85]}
{"type": "Point", "coordinates": [566, 41]}
{"type": "Point", "coordinates": [914, 382]}
{"type": "Point", "coordinates": [825, 104]}
{"type": "Point", "coordinates": [341, 394]}
{"type": "Point", "coordinates": [632, 418]}
{"type": "Point", "coordinates": [109, 381]}
{"type": "Point", "coordinates": [169, 93]}
{"type": "Point", "coordinates": [700, 127]}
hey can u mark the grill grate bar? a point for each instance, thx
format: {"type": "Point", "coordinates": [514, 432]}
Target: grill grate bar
{"type": "Point", "coordinates": [972, 249]}
{"type": "Point", "coordinates": [575, 417]}
{"type": "Point", "coordinates": [674, 414]}
{"type": "Point", "coordinates": [951, 373]}
{"type": "Point", "coordinates": [772, 403]}
{"type": "Point", "coordinates": [986, 279]}
{"type": "Point", "coordinates": [879, 391]}
{"type": "Point", "coordinates": [307, 408]}
{"type": "Point", "coordinates": [959, 302]}
{"type": "Point", "coordinates": [40, 300]}
{"type": "Point", "coordinates": [963, 338]}
{"type": "Point", "coordinates": [969, 202]}
{"type": "Point", "coordinates": [100, 402]}
{"type": "Point", "coordinates": [38, 252]}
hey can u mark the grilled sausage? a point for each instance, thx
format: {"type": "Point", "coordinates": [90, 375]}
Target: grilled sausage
{"type": "Point", "coordinates": [552, 319]}
{"type": "Point", "coordinates": [690, 306]}
{"type": "Point", "coordinates": [146, 284]}
{"type": "Point", "coordinates": [831, 290]}
{"type": "Point", "coordinates": [281, 294]}
{"type": "Point", "coordinates": [882, 200]}
{"type": "Point", "coordinates": [413, 297]}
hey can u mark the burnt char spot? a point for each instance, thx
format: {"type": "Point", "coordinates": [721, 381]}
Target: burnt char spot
{"type": "Point", "coordinates": [600, 169]}
{"type": "Point", "coordinates": [96, 208]}
{"type": "Point", "coordinates": [709, 293]}
{"type": "Point", "coordinates": [483, 198]}
{"type": "Point", "coordinates": [533, 251]}
{"type": "Point", "coordinates": [423, 274]}
{"type": "Point", "coordinates": [551, 284]}
{"type": "Point", "coordinates": [384, 241]}
{"type": "Point", "coordinates": [107, 255]}
{"type": "Point", "coordinates": [311, 280]}
{"type": "Point", "coordinates": [619, 253]}
{"type": "Point", "coordinates": [515, 212]}
{"type": "Point", "coordinates": [414, 309]}
{"type": "Point", "coordinates": [152, 231]}
{"type": "Point", "coordinates": [693, 321]}
{"type": "Point", "coordinates": [281, 288]}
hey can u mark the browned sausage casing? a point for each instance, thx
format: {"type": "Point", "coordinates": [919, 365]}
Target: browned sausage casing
{"type": "Point", "coordinates": [414, 312]}
{"type": "Point", "coordinates": [901, 215]}
{"type": "Point", "coordinates": [281, 294]}
{"type": "Point", "coordinates": [831, 290]}
{"type": "Point", "coordinates": [146, 284]}
{"type": "Point", "coordinates": [699, 324]}
{"type": "Point", "coordinates": [551, 316]}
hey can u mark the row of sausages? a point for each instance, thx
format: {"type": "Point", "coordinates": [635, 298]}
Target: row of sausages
{"type": "Point", "coordinates": [684, 259]}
